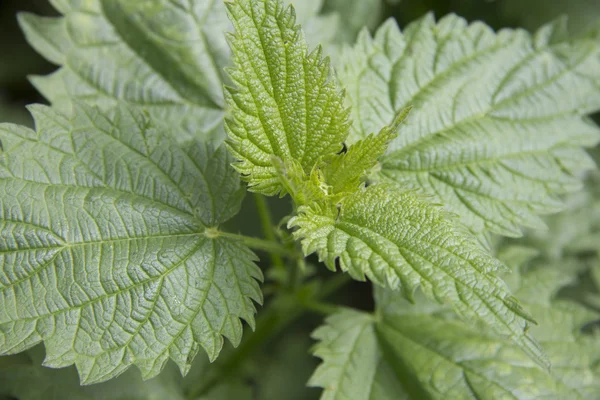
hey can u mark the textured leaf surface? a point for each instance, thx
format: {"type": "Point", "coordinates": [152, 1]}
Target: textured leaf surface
{"type": "Point", "coordinates": [166, 57]}
{"type": "Point", "coordinates": [103, 245]}
{"type": "Point", "coordinates": [427, 354]}
{"type": "Point", "coordinates": [394, 237]}
{"type": "Point", "coordinates": [353, 367]}
{"type": "Point", "coordinates": [497, 123]}
{"type": "Point", "coordinates": [450, 359]}
{"type": "Point", "coordinates": [346, 171]}
{"type": "Point", "coordinates": [284, 103]}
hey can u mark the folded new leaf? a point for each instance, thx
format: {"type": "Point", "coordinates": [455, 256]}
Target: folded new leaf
{"type": "Point", "coordinates": [284, 103]}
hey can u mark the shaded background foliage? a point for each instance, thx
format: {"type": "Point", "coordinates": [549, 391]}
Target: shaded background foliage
{"type": "Point", "coordinates": [283, 367]}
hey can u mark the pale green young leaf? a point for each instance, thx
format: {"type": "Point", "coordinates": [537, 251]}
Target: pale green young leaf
{"type": "Point", "coordinates": [347, 171]}
{"type": "Point", "coordinates": [498, 119]}
{"type": "Point", "coordinates": [108, 250]}
{"type": "Point", "coordinates": [396, 238]}
{"type": "Point", "coordinates": [283, 102]}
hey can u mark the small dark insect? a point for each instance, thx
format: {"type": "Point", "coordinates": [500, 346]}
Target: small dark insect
{"type": "Point", "coordinates": [344, 149]}
{"type": "Point", "coordinates": [338, 266]}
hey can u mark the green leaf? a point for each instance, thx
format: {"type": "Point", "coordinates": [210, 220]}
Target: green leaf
{"type": "Point", "coordinates": [428, 354]}
{"type": "Point", "coordinates": [353, 366]}
{"type": "Point", "coordinates": [108, 246]}
{"type": "Point", "coordinates": [347, 171]}
{"type": "Point", "coordinates": [395, 237]}
{"type": "Point", "coordinates": [487, 365]}
{"type": "Point", "coordinates": [162, 56]}
{"type": "Point", "coordinates": [498, 119]}
{"type": "Point", "coordinates": [284, 103]}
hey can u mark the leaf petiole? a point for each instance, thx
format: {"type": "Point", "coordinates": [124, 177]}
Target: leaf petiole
{"type": "Point", "coordinates": [255, 243]}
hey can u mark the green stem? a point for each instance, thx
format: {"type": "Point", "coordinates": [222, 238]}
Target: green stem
{"type": "Point", "coordinates": [260, 244]}
{"type": "Point", "coordinates": [281, 312]}
{"type": "Point", "coordinates": [320, 307]}
{"type": "Point", "coordinates": [267, 228]}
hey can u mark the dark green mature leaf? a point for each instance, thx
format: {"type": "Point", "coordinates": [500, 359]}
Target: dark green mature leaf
{"type": "Point", "coordinates": [284, 103]}
{"type": "Point", "coordinates": [498, 118]}
{"type": "Point", "coordinates": [108, 247]}
{"type": "Point", "coordinates": [395, 238]}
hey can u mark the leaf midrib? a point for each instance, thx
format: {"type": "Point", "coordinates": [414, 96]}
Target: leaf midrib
{"type": "Point", "coordinates": [394, 157]}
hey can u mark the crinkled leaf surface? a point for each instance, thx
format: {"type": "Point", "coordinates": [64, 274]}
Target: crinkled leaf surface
{"type": "Point", "coordinates": [353, 366]}
{"type": "Point", "coordinates": [498, 118]}
{"type": "Point", "coordinates": [104, 251]}
{"type": "Point", "coordinates": [395, 237]}
{"type": "Point", "coordinates": [431, 355]}
{"type": "Point", "coordinates": [346, 171]}
{"type": "Point", "coordinates": [283, 103]}
{"type": "Point", "coordinates": [166, 57]}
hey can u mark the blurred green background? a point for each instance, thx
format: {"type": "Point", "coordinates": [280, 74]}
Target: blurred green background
{"type": "Point", "coordinates": [18, 60]}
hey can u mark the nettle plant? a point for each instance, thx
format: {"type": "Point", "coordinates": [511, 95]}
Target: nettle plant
{"type": "Point", "coordinates": [404, 168]}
